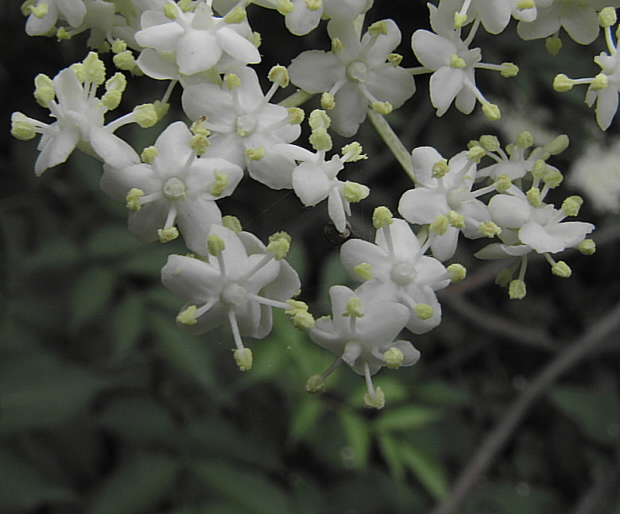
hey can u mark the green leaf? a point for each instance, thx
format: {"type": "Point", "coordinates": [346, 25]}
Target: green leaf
{"type": "Point", "coordinates": [428, 471]}
{"type": "Point", "coordinates": [250, 491]}
{"type": "Point", "coordinates": [358, 436]}
{"type": "Point", "coordinates": [127, 325]}
{"type": "Point", "coordinates": [58, 253]}
{"type": "Point", "coordinates": [111, 241]}
{"type": "Point", "coordinates": [440, 393]}
{"type": "Point", "coordinates": [39, 391]}
{"type": "Point", "coordinates": [390, 450]}
{"type": "Point", "coordinates": [25, 487]}
{"type": "Point", "coordinates": [406, 418]}
{"type": "Point", "coordinates": [137, 419]}
{"type": "Point", "coordinates": [91, 294]}
{"type": "Point", "coordinates": [135, 486]}
{"type": "Point", "coordinates": [596, 412]}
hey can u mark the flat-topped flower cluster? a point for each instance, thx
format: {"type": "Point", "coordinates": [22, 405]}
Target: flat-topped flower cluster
{"type": "Point", "coordinates": [171, 189]}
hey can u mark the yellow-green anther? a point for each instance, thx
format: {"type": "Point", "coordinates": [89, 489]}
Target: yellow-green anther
{"type": "Point", "coordinates": [279, 245]}
{"type": "Point", "coordinates": [215, 244]}
{"type": "Point", "coordinates": [243, 358]}
{"type": "Point", "coordinates": [354, 308]}
{"type": "Point", "coordinates": [379, 28]}
{"type": "Point", "coordinates": [599, 82]}
{"type": "Point", "coordinates": [393, 358]}
{"type": "Point", "coordinates": [187, 316]}
{"type": "Point", "coordinates": [490, 143]}
{"type": "Point", "coordinates": [337, 45]}
{"type": "Point", "coordinates": [354, 192]}
{"type": "Point", "coordinates": [509, 70]}
{"type": "Point", "coordinates": [232, 223]}
{"type": "Point", "coordinates": [383, 108]}
{"type": "Point", "coordinates": [124, 60]}
{"type": "Point", "coordinates": [199, 143]}
{"type": "Point", "coordinates": [395, 59]}
{"type": "Point", "coordinates": [40, 10]}
{"type": "Point", "coordinates": [237, 15]}
{"type": "Point", "coordinates": [44, 90]}
{"type": "Point", "coordinates": [111, 99]}
{"type": "Point", "coordinates": [319, 119]}
{"type": "Point", "coordinates": [148, 154]}
{"type": "Point", "coordinates": [364, 271]}
{"type": "Point", "coordinates": [553, 44]}
{"type": "Point", "coordinates": [170, 11]}
{"type": "Point", "coordinates": [476, 153]}
{"type": "Point", "coordinates": [63, 35]}
{"type": "Point", "coordinates": [607, 17]}
{"type": "Point", "coordinates": [440, 168]}
{"type": "Point", "coordinates": [471, 143]}
{"type": "Point", "coordinates": [561, 83]}
{"type": "Point", "coordinates": [456, 219]}
{"type": "Point", "coordinates": [328, 101]}
{"type": "Point", "coordinates": [503, 183]}
{"type": "Point", "coordinates": [301, 318]}
{"type": "Point", "coordinates": [314, 5]}
{"type": "Point", "coordinates": [255, 154]}
{"type": "Point", "coordinates": [146, 115]}
{"type": "Point", "coordinates": [557, 145]}
{"type": "Point", "coordinates": [459, 20]}
{"type": "Point", "coordinates": [320, 140]}
{"type": "Point", "coordinates": [526, 4]}
{"type": "Point", "coordinates": [423, 311]}
{"type": "Point", "coordinates": [296, 305]}
{"type": "Point", "coordinates": [525, 139]}
{"type": "Point", "coordinates": [279, 74]}
{"type": "Point", "coordinates": [167, 234]}
{"type": "Point", "coordinates": [571, 205]}
{"type": "Point", "coordinates": [561, 269]}
{"type": "Point", "coordinates": [26, 6]}
{"type": "Point", "coordinates": [457, 62]}
{"type": "Point", "coordinates": [516, 289]}
{"type": "Point", "coordinates": [553, 178]}
{"type": "Point", "coordinates": [257, 39]}
{"type": "Point", "coordinates": [94, 69]}
{"type": "Point", "coordinates": [133, 199]}
{"type": "Point", "coordinates": [232, 81]}
{"type": "Point", "coordinates": [186, 5]}
{"type": "Point", "coordinates": [504, 277]}
{"type": "Point", "coordinates": [586, 247]}
{"type": "Point", "coordinates": [533, 196]}
{"type": "Point", "coordinates": [440, 224]}
{"type": "Point", "coordinates": [375, 402]}
{"type": "Point", "coordinates": [220, 184]}
{"type": "Point", "coordinates": [539, 170]}
{"type": "Point", "coordinates": [510, 148]}
{"type": "Point", "coordinates": [78, 69]}
{"type": "Point", "coordinates": [119, 46]}
{"type": "Point", "coordinates": [21, 128]}
{"type": "Point", "coordinates": [381, 217]}
{"type": "Point", "coordinates": [355, 152]}
{"type": "Point", "coordinates": [315, 384]}
{"type": "Point", "coordinates": [489, 229]}
{"type": "Point", "coordinates": [491, 111]}
{"type": "Point", "coordinates": [295, 115]}
{"type": "Point", "coordinates": [457, 271]}
{"type": "Point", "coordinates": [285, 7]}
{"type": "Point", "coordinates": [117, 82]}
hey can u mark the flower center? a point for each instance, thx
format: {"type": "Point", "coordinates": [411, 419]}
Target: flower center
{"type": "Point", "coordinates": [246, 124]}
{"type": "Point", "coordinates": [233, 294]}
{"type": "Point", "coordinates": [357, 71]}
{"type": "Point", "coordinates": [403, 273]}
{"type": "Point", "coordinates": [174, 189]}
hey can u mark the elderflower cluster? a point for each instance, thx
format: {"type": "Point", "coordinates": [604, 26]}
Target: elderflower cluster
{"type": "Point", "coordinates": [237, 133]}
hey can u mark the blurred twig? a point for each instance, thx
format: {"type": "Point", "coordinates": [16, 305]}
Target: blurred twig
{"type": "Point", "coordinates": [480, 462]}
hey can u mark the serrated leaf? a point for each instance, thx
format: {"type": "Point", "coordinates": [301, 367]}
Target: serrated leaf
{"type": "Point", "coordinates": [91, 294]}
{"type": "Point", "coordinates": [428, 471]}
{"type": "Point", "coordinates": [357, 433]}
{"type": "Point", "coordinates": [597, 413]}
{"type": "Point", "coordinates": [406, 418]}
{"type": "Point", "coordinates": [136, 485]}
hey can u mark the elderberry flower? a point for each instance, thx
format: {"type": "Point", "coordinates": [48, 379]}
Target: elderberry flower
{"type": "Point", "coordinates": [244, 127]}
{"type": "Point", "coordinates": [395, 269]}
{"type": "Point", "coordinates": [361, 332]}
{"type": "Point", "coordinates": [72, 100]}
{"type": "Point", "coordinates": [43, 14]}
{"type": "Point", "coordinates": [495, 16]}
{"type": "Point", "coordinates": [356, 74]}
{"type": "Point", "coordinates": [443, 199]}
{"type": "Point", "coordinates": [178, 43]}
{"type": "Point", "coordinates": [173, 187]}
{"type": "Point", "coordinates": [236, 284]}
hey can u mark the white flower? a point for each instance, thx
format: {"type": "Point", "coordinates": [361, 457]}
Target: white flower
{"type": "Point", "coordinates": [493, 15]}
{"type": "Point", "coordinates": [244, 126]}
{"type": "Point", "coordinates": [356, 74]}
{"type": "Point", "coordinates": [395, 269]}
{"type": "Point", "coordinates": [176, 187]}
{"type": "Point", "coordinates": [187, 43]}
{"type": "Point", "coordinates": [237, 285]}
{"type": "Point", "coordinates": [45, 13]}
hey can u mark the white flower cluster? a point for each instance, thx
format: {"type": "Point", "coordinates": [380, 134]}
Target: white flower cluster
{"type": "Point", "coordinates": [171, 189]}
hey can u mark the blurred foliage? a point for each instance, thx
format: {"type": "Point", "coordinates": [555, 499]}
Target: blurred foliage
{"type": "Point", "coordinates": [107, 408]}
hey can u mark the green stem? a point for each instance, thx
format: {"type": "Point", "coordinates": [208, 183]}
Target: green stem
{"type": "Point", "coordinates": [393, 142]}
